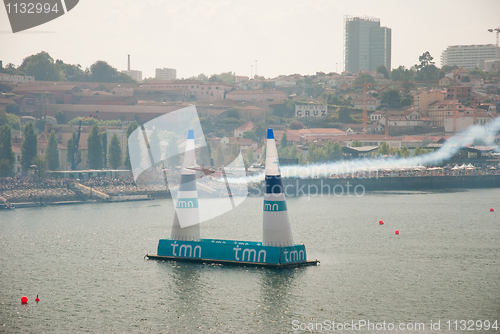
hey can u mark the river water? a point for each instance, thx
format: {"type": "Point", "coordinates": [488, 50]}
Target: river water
{"type": "Point", "coordinates": [86, 263]}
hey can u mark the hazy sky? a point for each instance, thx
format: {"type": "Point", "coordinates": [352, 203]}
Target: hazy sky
{"type": "Point", "coordinates": [284, 36]}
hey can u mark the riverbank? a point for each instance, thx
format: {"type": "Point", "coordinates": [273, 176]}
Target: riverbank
{"type": "Point", "coordinates": [342, 186]}
{"type": "Point", "coordinates": [69, 194]}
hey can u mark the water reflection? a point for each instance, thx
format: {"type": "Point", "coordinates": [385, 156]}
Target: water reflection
{"type": "Point", "coordinates": [279, 296]}
{"type": "Point", "coordinates": [182, 294]}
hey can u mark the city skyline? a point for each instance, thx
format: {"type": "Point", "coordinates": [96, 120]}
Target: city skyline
{"type": "Point", "coordinates": [221, 36]}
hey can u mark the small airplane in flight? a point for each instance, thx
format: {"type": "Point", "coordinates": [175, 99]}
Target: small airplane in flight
{"type": "Point", "coordinates": [210, 172]}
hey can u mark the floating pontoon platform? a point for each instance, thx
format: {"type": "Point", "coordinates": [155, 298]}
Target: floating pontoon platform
{"type": "Point", "coordinates": [234, 263]}
{"type": "Point", "coordinates": [232, 252]}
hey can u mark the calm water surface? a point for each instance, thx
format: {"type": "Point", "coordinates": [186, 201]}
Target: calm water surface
{"type": "Point", "coordinates": [86, 264]}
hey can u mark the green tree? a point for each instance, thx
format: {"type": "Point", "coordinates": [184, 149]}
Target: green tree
{"type": "Point", "coordinates": [29, 146]}
{"type": "Point", "coordinates": [154, 144]}
{"type": "Point", "coordinates": [345, 114]}
{"type": "Point", "coordinates": [202, 77]}
{"type": "Point", "coordinates": [406, 100]}
{"type": "Point", "coordinates": [95, 152]}
{"type": "Point", "coordinates": [405, 152]}
{"type": "Point", "coordinates": [214, 78]}
{"type": "Point", "coordinates": [207, 124]}
{"type": "Point", "coordinates": [230, 159]}
{"type": "Point", "coordinates": [41, 66]}
{"type": "Point", "coordinates": [287, 109]}
{"type": "Point", "coordinates": [233, 113]}
{"type": "Point", "coordinates": [11, 69]}
{"type": "Point", "coordinates": [227, 77]}
{"type": "Point", "coordinates": [101, 71]}
{"type": "Point", "coordinates": [336, 99]}
{"type": "Point", "coordinates": [52, 154]}
{"type": "Point", "coordinates": [479, 73]}
{"type": "Point", "coordinates": [338, 154]}
{"type": "Point", "coordinates": [219, 157]}
{"type": "Point", "coordinates": [390, 98]}
{"type": "Point", "coordinates": [60, 117]}
{"type": "Point", "coordinates": [7, 157]}
{"type": "Point", "coordinates": [426, 70]}
{"type": "Point", "coordinates": [205, 153]}
{"type": "Point", "coordinates": [383, 149]}
{"type": "Point", "coordinates": [69, 72]}
{"type": "Point", "coordinates": [417, 152]}
{"type": "Point", "coordinates": [402, 74]}
{"type": "Point", "coordinates": [13, 108]}
{"type": "Point", "coordinates": [235, 150]}
{"type": "Point", "coordinates": [296, 125]}
{"type": "Point", "coordinates": [360, 79]}
{"type": "Point", "coordinates": [11, 119]}
{"type": "Point", "coordinates": [315, 154]}
{"type": "Point", "coordinates": [260, 130]}
{"type": "Point", "coordinates": [449, 68]}
{"type": "Point", "coordinates": [357, 143]}
{"type": "Point", "coordinates": [425, 60]}
{"type": "Point", "coordinates": [130, 128]}
{"type": "Point", "coordinates": [115, 152]}
{"type": "Point", "coordinates": [333, 151]}
{"type": "Point", "coordinates": [383, 70]}
{"type": "Point", "coordinates": [172, 152]}
{"type": "Point", "coordinates": [249, 158]}
{"type": "Point", "coordinates": [294, 152]}
{"type": "Point", "coordinates": [284, 141]}
{"type": "Point", "coordinates": [104, 142]}
{"type": "Point", "coordinates": [70, 152]}
{"type": "Point", "coordinates": [40, 163]}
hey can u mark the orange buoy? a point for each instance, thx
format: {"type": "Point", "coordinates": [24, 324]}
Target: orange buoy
{"type": "Point", "coordinates": [396, 232]}
{"type": "Point", "coordinates": [24, 300]}
{"type": "Point", "coordinates": [37, 299]}
{"type": "Point", "coordinates": [381, 222]}
{"type": "Point", "coordinates": [491, 210]}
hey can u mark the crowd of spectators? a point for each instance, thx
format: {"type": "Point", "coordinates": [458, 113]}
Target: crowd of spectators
{"type": "Point", "coordinates": [156, 182]}
{"type": "Point", "coordinates": [19, 182]}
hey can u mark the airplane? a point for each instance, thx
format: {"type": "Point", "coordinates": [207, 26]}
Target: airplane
{"type": "Point", "coordinates": [210, 172]}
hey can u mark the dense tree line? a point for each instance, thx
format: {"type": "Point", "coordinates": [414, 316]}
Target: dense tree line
{"type": "Point", "coordinates": [43, 67]}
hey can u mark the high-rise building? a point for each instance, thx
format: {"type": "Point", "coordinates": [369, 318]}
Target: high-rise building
{"type": "Point", "coordinates": [367, 45]}
{"type": "Point", "coordinates": [468, 56]}
{"type": "Point", "coordinates": [166, 73]}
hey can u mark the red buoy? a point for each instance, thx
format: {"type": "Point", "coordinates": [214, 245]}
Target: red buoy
{"type": "Point", "coordinates": [396, 232]}
{"type": "Point", "coordinates": [37, 299]}
{"type": "Point", "coordinates": [24, 300]}
{"type": "Point", "coordinates": [491, 210]}
{"type": "Point", "coordinates": [381, 222]}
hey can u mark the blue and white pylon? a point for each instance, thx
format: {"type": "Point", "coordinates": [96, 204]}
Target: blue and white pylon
{"type": "Point", "coordinates": [276, 224]}
{"type": "Point", "coordinates": [186, 225]}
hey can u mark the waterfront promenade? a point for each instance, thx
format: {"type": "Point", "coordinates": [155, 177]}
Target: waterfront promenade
{"type": "Point", "coordinates": [50, 190]}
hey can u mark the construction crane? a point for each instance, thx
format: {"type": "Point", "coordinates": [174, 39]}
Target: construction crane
{"type": "Point", "coordinates": [455, 111]}
{"type": "Point", "coordinates": [497, 31]}
{"type": "Point", "coordinates": [77, 143]}
{"type": "Point", "coordinates": [365, 111]}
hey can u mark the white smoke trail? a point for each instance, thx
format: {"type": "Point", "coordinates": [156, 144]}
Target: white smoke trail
{"type": "Point", "coordinates": [486, 133]}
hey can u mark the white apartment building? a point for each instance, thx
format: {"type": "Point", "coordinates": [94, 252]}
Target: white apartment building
{"type": "Point", "coordinates": [468, 56]}
{"type": "Point", "coordinates": [136, 75]}
{"type": "Point", "coordinates": [166, 73]}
